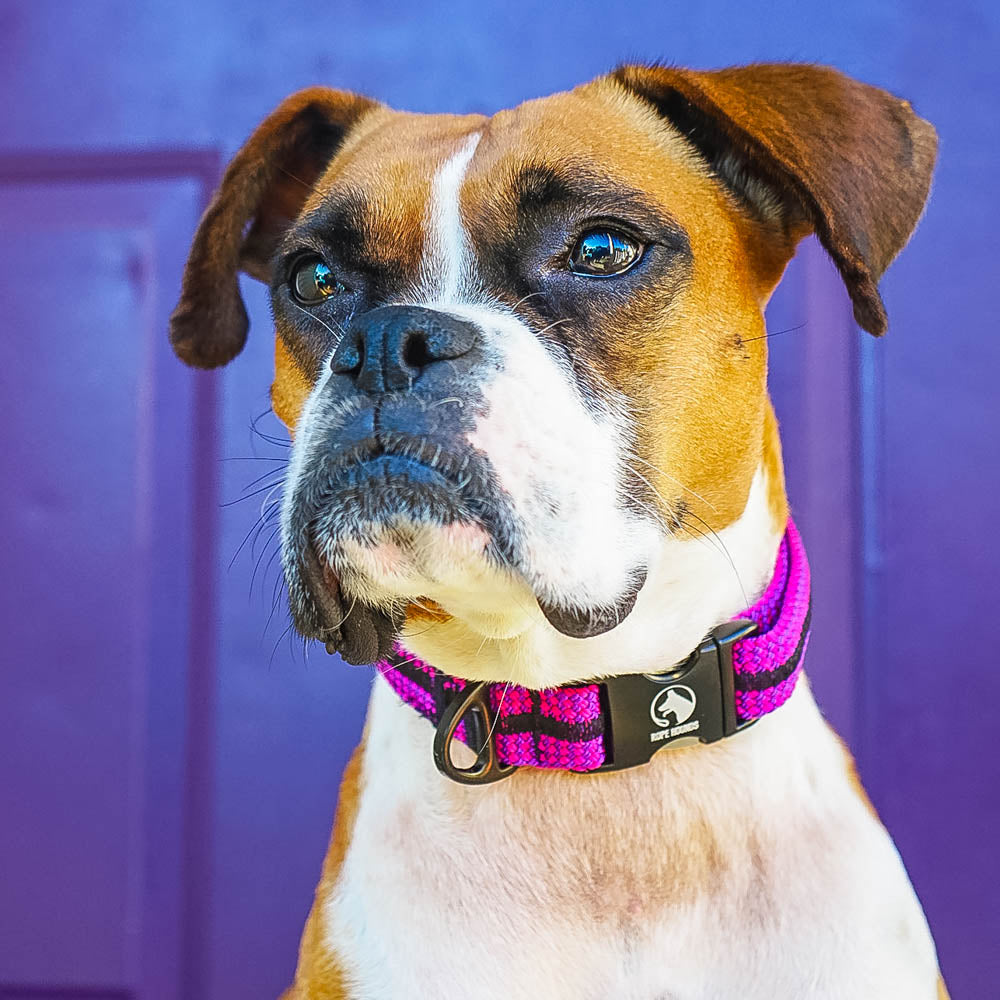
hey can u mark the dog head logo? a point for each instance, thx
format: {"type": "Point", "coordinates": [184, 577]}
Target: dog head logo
{"type": "Point", "coordinates": [673, 706]}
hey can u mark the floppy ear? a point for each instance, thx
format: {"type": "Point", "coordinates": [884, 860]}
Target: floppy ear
{"type": "Point", "coordinates": [261, 194]}
{"type": "Point", "coordinates": [846, 160]}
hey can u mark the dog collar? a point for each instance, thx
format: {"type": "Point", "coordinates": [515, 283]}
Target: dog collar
{"type": "Point", "coordinates": [743, 670]}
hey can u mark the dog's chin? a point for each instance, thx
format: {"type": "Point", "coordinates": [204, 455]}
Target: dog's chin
{"type": "Point", "coordinates": [405, 560]}
{"type": "Point", "coordinates": [360, 588]}
{"type": "Point", "coordinates": [455, 567]}
{"type": "Point", "coordinates": [413, 540]}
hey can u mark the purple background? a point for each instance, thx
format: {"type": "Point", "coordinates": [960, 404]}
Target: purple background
{"type": "Point", "coordinates": [168, 766]}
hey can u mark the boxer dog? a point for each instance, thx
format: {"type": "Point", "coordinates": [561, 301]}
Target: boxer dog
{"type": "Point", "coordinates": [523, 362]}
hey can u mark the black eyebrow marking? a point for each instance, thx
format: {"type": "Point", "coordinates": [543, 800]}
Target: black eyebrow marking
{"type": "Point", "coordinates": [541, 188]}
{"type": "Point", "coordinates": [337, 225]}
{"type": "Point", "coordinates": [537, 185]}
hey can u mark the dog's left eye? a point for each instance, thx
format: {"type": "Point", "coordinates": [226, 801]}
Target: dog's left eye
{"type": "Point", "coordinates": [313, 282]}
{"type": "Point", "coordinates": [603, 253]}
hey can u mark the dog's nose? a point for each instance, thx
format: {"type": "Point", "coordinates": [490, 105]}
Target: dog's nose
{"type": "Point", "coordinates": [389, 348]}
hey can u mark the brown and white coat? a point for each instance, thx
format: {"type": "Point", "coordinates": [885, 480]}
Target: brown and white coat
{"type": "Point", "coordinates": [624, 460]}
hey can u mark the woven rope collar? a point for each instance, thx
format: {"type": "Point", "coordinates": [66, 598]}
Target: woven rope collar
{"type": "Point", "coordinates": [743, 671]}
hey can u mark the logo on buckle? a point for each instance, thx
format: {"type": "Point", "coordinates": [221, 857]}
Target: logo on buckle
{"type": "Point", "coordinates": [670, 709]}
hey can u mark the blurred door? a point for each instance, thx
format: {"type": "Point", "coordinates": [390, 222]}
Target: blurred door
{"type": "Point", "coordinates": [102, 441]}
{"type": "Point", "coordinates": [110, 699]}
{"type": "Point", "coordinates": [168, 772]}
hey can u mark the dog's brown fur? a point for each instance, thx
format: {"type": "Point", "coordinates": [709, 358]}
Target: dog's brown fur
{"type": "Point", "coordinates": [319, 975]}
{"type": "Point", "coordinates": [797, 149]}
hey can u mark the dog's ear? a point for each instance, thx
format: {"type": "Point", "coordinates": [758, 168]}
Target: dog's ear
{"type": "Point", "coordinates": [846, 160]}
{"type": "Point", "coordinates": [261, 194]}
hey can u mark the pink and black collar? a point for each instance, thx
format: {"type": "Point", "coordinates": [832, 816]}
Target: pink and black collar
{"type": "Point", "coordinates": [745, 669]}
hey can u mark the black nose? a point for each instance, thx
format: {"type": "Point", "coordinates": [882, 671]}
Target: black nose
{"type": "Point", "coordinates": [388, 349]}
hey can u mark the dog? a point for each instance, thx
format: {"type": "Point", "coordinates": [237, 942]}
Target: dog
{"type": "Point", "coordinates": [536, 479]}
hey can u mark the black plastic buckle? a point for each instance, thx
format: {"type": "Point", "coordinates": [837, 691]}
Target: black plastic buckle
{"type": "Point", "coordinates": [472, 706]}
{"type": "Point", "coordinates": [694, 702]}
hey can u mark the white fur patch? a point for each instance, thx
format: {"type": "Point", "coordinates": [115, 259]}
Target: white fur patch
{"type": "Point", "coordinates": [561, 467]}
{"type": "Point", "coordinates": [444, 262]}
{"type": "Point", "coordinates": [748, 868]}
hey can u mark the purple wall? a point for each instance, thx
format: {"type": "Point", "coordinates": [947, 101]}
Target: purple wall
{"type": "Point", "coordinates": [168, 766]}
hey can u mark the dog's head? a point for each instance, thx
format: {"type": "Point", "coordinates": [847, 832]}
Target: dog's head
{"type": "Point", "coordinates": [520, 355]}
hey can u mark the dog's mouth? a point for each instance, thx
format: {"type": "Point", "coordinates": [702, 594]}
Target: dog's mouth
{"type": "Point", "coordinates": [387, 489]}
{"type": "Point", "coordinates": [378, 528]}
{"type": "Point", "coordinates": [367, 525]}
{"type": "Point", "coordinates": [361, 632]}
{"type": "Point", "coordinates": [392, 460]}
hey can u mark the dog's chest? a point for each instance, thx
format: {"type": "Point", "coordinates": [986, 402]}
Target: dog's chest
{"type": "Point", "coordinates": [673, 882]}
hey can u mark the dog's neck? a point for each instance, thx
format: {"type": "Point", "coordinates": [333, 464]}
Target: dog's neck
{"type": "Point", "coordinates": [696, 580]}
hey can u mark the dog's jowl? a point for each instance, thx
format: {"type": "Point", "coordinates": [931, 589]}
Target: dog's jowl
{"type": "Point", "coordinates": [536, 478]}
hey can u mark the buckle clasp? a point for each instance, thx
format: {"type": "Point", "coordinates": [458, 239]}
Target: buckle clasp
{"type": "Point", "coordinates": [693, 702]}
{"type": "Point", "coordinates": [472, 707]}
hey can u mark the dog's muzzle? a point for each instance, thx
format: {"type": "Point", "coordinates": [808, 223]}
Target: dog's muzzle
{"type": "Point", "coordinates": [410, 376]}
{"type": "Point", "coordinates": [388, 451]}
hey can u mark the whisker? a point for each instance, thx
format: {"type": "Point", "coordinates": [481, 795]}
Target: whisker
{"type": "Point", "coordinates": [339, 333]}
{"type": "Point", "coordinates": [265, 520]}
{"type": "Point", "coordinates": [723, 550]}
{"type": "Point", "coordinates": [266, 488]}
{"type": "Point", "coordinates": [777, 333]}
{"type": "Point", "coordinates": [482, 645]}
{"type": "Point", "coordinates": [275, 598]}
{"type": "Point", "coordinates": [551, 326]}
{"type": "Point", "coordinates": [409, 634]}
{"type": "Point", "coordinates": [277, 442]}
{"type": "Point", "coordinates": [277, 501]}
{"type": "Point", "coordinates": [257, 526]}
{"type": "Point", "coordinates": [441, 402]}
{"type": "Point", "coordinates": [263, 552]}
{"type": "Point", "coordinates": [686, 489]}
{"type": "Point", "coordinates": [728, 554]}
{"type": "Point", "coordinates": [523, 299]}
{"type": "Point", "coordinates": [277, 642]}
{"type": "Point", "coordinates": [333, 628]}
{"type": "Point", "coordinates": [298, 180]}
{"type": "Point", "coordinates": [654, 512]}
{"type": "Point", "coordinates": [270, 472]}
{"type": "Point", "coordinates": [496, 716]}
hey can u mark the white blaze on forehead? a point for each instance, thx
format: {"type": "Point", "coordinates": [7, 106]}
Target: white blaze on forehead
{"type": "Point", "coordinates": [444, 264]}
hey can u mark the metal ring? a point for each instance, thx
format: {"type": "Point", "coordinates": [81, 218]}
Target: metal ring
{"type": "Point", "coordinates": [472, 702]}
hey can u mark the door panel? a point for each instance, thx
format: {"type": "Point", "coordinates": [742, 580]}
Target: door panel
{"type": "Point", "coordinates": [99, 429]}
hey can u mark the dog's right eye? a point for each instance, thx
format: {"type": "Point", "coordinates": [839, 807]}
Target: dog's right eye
{"type": "Point", "coordinates": [604, 253]}
{"type": "Point", "coordinates": [313, 282]}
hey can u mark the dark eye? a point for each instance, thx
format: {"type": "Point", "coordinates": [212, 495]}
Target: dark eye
{"type": "Point", "coordinates": [313, 282]}
{"type": "Point", "coordinates": [603, 253]}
